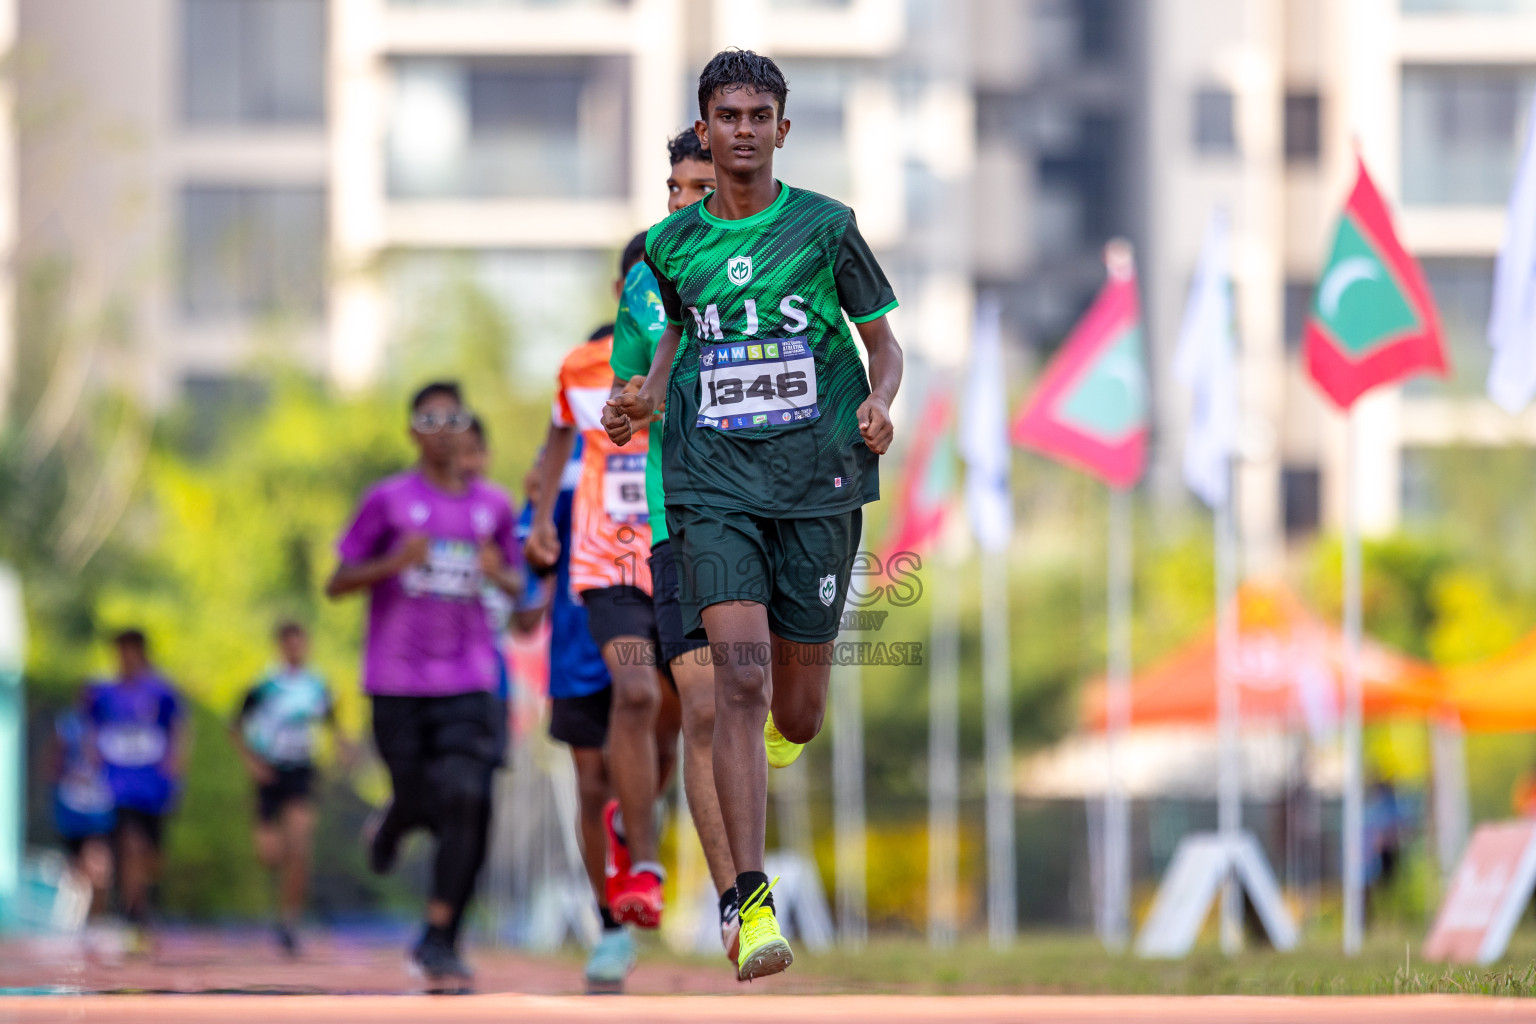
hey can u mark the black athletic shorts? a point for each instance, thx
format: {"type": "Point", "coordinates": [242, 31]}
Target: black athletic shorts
{"type": "Point", "coordinates": [797, 568]}
{"type": "Point", "coordinates": [290, 784]}
{"type": "Point", "coordinates": [626, 611]}
{"type": "Point", "coordinates": [674, 639]}
{"type": "Point", "coordinates": [581, 721]}
{"type": "Point", "coordinates": [415, 731]}
{"type": "Point", "coordinates": [150, 826]}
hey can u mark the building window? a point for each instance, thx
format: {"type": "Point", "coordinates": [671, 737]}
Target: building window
{"type": "Point", "coordinates": [1469, 6]}
{"type": "Point", "coordinates": [1215, 122]}
{"type": "Point", "coordinates": [1463, 291]}
{"type": "Point", "coordinates": [1297, 306]}
{"type": "Point", "coordinates": [253, 62]}
{"type": "Point", "coordinates": [1303, 127]}
{"type": "Point", "coordinates": [1301, 492]}
{"type": "Point", "coordinates": [1098, 29]}
{"type": "Point", "coordinates": [509, 3]}
{"type": "Point", "coordinates": [818, 159]}
{"type": "Point", "coordinates": [252, 251]}
{"type": "Point", "coordinates": [1463, 131]}
{"type": "Point", "coordinates": [478, 128]}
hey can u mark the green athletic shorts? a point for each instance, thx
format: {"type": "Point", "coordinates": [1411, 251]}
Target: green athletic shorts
{"type": "Point", "coordinates": [797, 568]}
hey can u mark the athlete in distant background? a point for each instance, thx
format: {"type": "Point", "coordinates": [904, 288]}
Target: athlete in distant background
{"type": "Point", "coordinates": [274, 733]}
{"type": "Point", "coordinates": [137, 726]}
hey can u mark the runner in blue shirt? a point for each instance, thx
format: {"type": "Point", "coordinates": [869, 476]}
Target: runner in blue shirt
{"type": "Point", "coordinates": [83, 806]}
{"type": "Point", "coordinates": [136, 730]}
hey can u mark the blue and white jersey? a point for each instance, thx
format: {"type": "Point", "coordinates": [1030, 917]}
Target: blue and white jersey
{"type": "Point", "coordinates": [281, 714]}
{"type": "Point", "coordinates": [83, 802]}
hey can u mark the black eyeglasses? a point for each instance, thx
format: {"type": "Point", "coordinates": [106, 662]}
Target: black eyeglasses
{"type": "Point", "coordinates": [455, 422]}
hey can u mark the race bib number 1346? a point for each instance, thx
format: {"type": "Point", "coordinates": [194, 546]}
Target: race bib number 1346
{"type": "Point", "coordinates": [762, 384]}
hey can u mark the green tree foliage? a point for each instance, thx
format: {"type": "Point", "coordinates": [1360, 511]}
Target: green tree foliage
{"type": "Point", "coordinates": [209, 524]}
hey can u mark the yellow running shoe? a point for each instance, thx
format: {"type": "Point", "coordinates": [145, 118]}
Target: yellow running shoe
{"type": "Point", "coordinates": [781, 752]}
{"type": "Point", "coordinates": [764, 950]}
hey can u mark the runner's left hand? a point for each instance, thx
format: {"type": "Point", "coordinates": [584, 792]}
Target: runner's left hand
{"type": "Point", "coordinates": [491, 561]}
{"type": "Point", "coordinates": [875, 425]}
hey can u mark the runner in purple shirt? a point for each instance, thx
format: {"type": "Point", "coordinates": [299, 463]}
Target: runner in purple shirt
{"type": "Point", "coordinates": [423, 544]}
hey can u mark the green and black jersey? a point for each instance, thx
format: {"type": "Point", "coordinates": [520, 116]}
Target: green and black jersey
{"type": "Point", "coordinates": [764, 394]}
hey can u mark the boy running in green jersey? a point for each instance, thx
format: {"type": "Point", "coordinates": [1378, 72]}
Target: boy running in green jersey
{"type": "Point", "coordinates": [770, 444]}
{"type": "Point", "coordinates": [637, 328]}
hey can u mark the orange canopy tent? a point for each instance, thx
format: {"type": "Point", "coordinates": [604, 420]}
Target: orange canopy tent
{"type": "Point", "coordinates": [1496, 695]}
{"type": "Point", "coordinates": [1288, 665]}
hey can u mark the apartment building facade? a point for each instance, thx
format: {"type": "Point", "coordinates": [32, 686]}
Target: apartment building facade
{"type": "Point", "coordinates": [226, 182]}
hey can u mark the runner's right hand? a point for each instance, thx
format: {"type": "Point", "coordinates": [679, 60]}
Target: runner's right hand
{"type": "Point", "coordinates": [542, 548]}
{"type": "Point", "coordinates": [624, 410]}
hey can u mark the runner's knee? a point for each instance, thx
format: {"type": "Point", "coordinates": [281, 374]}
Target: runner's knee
{"type": "Point", "coordinates": [635, 694]}
{"type": "Point", "coordinates": [799, 725]}
{"type": "Point", "coordinates": [741, 686]}
{"type": "Point", "coordinates": [463, 788]}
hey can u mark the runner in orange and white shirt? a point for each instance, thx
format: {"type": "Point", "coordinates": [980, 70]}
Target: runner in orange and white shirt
{"type": "Point", "coordinates": [610, 528]}
{"type": "Point", "coordinates": [610, 542]}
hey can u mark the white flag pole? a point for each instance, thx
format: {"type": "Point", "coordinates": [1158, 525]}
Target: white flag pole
{"type": "Point", "coordinates": [1229, 808]}
{"type": "Point", "coordinates": [1117, 824]}
{"type": "Point", "coordinates": [989, 496]}
{"type": "Point", "coordinates": [1002, 902]}
{"type": "Point", "coordinates": [851, 851]}
{"type": "Point", "coordinates": [1354, 823]}
{"type": "Point", "coordinates": [943, 756]}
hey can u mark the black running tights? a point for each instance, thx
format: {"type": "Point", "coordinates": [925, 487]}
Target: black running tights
{"type": "Point", "coordinates": [441, 752]}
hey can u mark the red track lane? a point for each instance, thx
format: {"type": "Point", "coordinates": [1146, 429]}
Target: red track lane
{"type": "Point", "coordinates": [502, 1009]}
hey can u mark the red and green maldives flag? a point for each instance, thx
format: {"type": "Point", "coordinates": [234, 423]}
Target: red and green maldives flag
{"type": "Point", "coordinates": [1373, 319]}
{"type": "Point", "coordinates": [1091, 407]}
{"type": "Point", "coordinates": [928, 484]}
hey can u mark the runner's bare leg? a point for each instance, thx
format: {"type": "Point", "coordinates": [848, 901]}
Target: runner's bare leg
{"type": "Point", "coordinates": [695, 678]}
{"type": "Point", "coordinates": [801, 674]}
{"type": "Point", "coordinates": [592, 795]}
{"type": "Point", "coordinates": [738, 633]}
{"type": "Point", "coordinates": [632, 759]}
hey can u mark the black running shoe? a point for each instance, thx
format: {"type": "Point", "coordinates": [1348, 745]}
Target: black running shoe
{"type": "Point", "coordinates": [382, 845]}
{"type": "Point", "coordinates": [438, 962]}
{"type": "Point", "coordinates": [287, 941]}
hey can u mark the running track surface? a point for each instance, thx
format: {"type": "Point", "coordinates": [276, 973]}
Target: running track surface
{"type": "Point", "coordinates": [214, 977]}
{"type": "Point", "coordinates": [502, 1009]}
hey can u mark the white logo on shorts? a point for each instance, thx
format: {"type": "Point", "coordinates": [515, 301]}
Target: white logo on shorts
{"type": "Point", "coordinates": [828, 590]}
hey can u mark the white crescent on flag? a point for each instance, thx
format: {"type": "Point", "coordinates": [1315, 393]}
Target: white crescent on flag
{"type": "Point", "coordinates": [1347, 272]}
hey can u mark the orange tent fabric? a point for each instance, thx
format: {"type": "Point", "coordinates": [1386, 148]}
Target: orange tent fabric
{"type": "Point", "coordinates": [1497, 695]}
{"type": "Point", "coordinates": [1288, 665]}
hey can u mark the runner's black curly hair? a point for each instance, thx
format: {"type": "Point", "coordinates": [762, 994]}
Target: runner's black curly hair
{"type": "Point", "coordinates": [734, 69]}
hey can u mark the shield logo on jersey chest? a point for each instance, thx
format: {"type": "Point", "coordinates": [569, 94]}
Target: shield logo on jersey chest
{"type": "Point", "coordinates": [828, 590]}
{"type": "Point", "coordinates": [739, 270]}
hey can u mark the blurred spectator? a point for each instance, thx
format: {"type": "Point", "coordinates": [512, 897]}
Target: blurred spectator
{"type": "Point", "coordinates": [1383, 834]}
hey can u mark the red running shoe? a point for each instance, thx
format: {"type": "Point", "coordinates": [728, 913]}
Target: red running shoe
{"type": "Point", "coordinates": [616, 858]}
{"type": "Point", "coordinates": [636, 899]}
